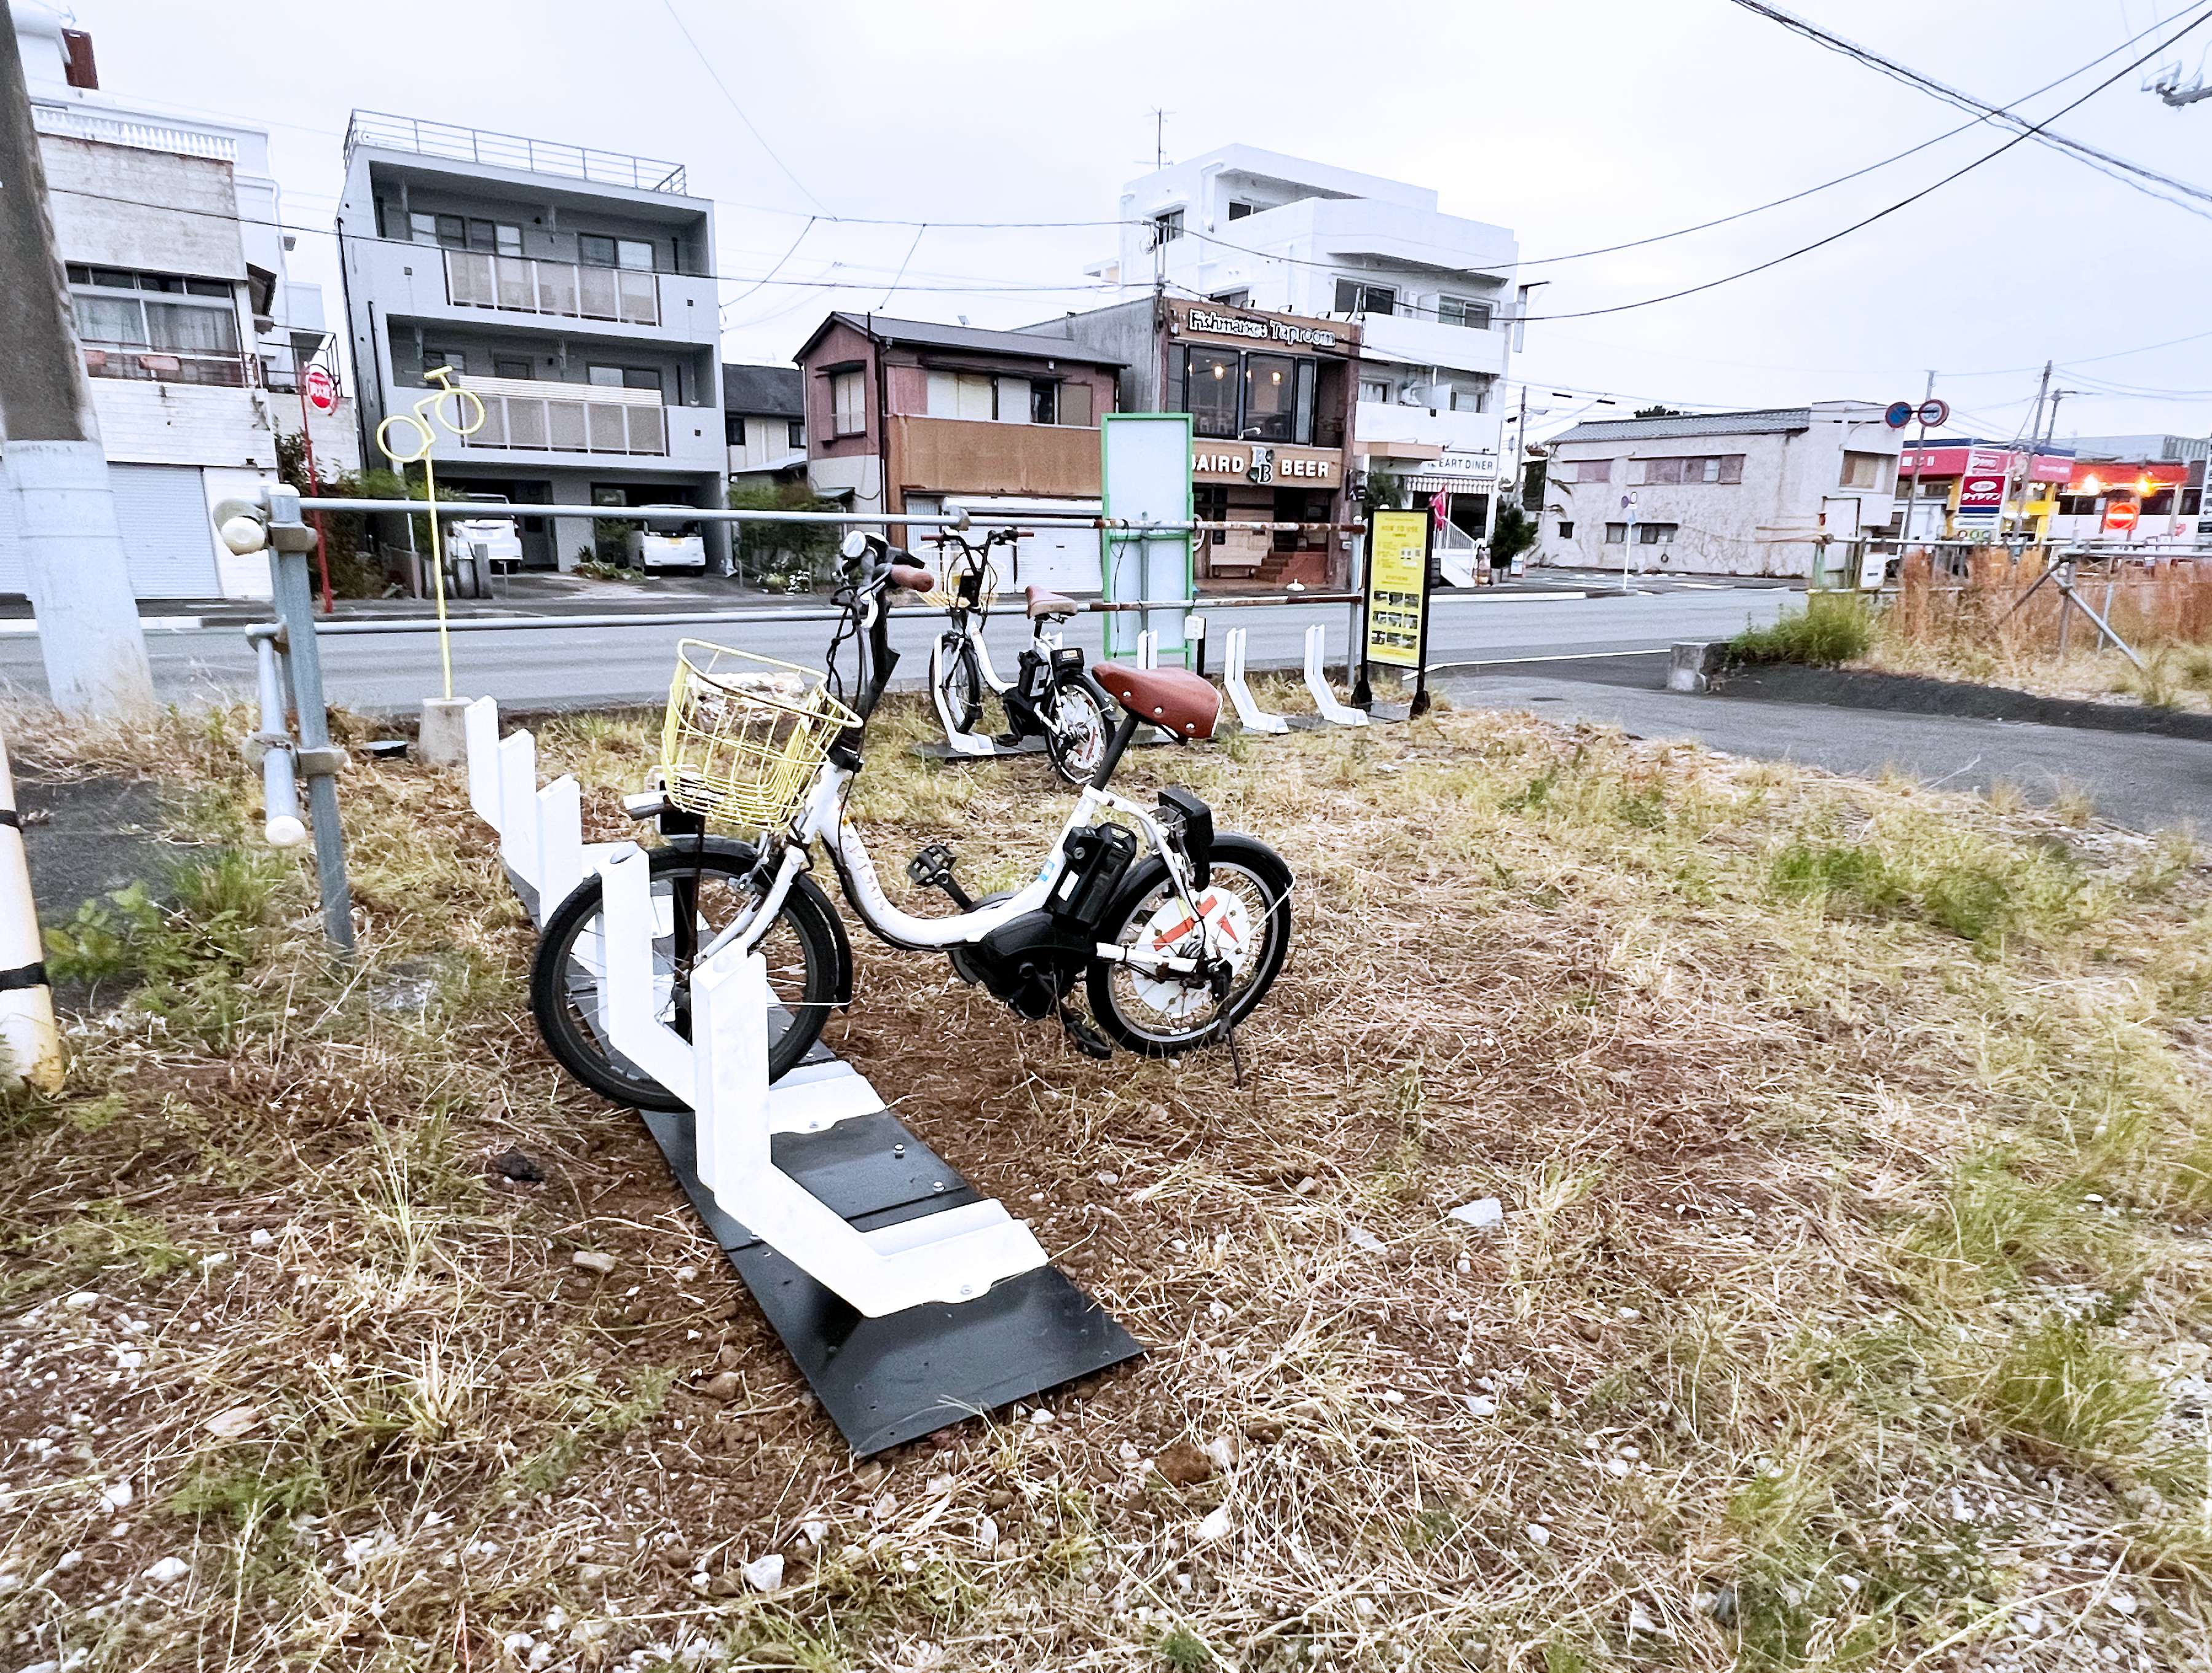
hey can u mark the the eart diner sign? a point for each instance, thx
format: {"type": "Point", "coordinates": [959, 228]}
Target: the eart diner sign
{"type": "Point", "coordinates": [1260, 331]}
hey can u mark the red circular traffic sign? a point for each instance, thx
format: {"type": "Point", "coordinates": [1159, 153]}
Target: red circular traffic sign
{"type": "Point", "coordinates": [1935, 414]}
{"type": "Point", "coordinates": [2120, 515]}
{"type": "Point", "coordinates": [320, 388]}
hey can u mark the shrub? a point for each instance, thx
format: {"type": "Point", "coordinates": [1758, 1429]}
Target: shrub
{"type": "Point", "coordinates": [1828, 630]}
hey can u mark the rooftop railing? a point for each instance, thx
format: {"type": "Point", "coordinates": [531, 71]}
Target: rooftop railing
{"type": "Point", "coordinates": [538, 156]}
{"type": "Point", "coordinates": [67, 123]}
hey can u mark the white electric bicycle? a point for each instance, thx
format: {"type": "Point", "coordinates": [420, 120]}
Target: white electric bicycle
{"type": "Point", "coordinates": [1175, 931]}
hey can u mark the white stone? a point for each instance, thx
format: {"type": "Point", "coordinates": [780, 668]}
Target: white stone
{"type": "Point", "coordinates": [1481, 1405]}
{"type": "Point", "coordinates": [1539, 1534]}
{"type": "Point", "coordinates": [261, 1237]}
{"type": "Point", "coordinates": [117, 1494]}
{"type": "Point", "coordinates": [1481, 1213]}
{"type": "Point", "coordinates": [1040, 1417]}
{"type": "Point", "coordinates": [764, 1574]}
{"type": "Point", "coordinates": [1360, 1237]}
{"type": "Point", "coordinates": [987, 1535]}
{"type": "Point", "coordinates": [814, 1532]}
{"type": "Point", "coordinates": [80, 1299]}
{"type": "Point", "coordinates": [1215, 1526]}
{"type": "Point", "coordinates": [169, 1569]}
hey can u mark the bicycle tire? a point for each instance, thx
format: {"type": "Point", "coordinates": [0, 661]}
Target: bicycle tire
{"type": "Point", "coordinates": [958, 681]}
{"type": "Point", "coordinates": [558, 993]}
{"type": "Point", "coordinates": [1076, 746]}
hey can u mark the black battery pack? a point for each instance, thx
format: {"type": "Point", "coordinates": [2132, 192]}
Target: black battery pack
{"type": "Point", "coordinates": [1098, 857]}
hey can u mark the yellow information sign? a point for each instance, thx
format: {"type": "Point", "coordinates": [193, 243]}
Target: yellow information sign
{"type": "Point", "coordinates": [1397, 587]}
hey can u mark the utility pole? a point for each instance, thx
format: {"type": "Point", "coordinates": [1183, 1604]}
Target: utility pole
{"type": "Point", "coordinates": [56, 468]}
{"type": "Point", "coordinates": [1919, 457]}
{"type": "Point", "coordinates": [2034, 431]}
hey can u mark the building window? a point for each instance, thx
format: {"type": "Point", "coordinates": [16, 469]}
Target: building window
{"type": "Point", "coordinates": [1655, 534]}
{"type": "Point", "coordinates": [1374, 389]}
{"type": "Point", "coordinates": [1210, 391]}
{"type": "Point", "coordinates": [961, 395]}
{"type": "Point", "coordinates": [795, 429]}
{"type": "Point", "coordinates": [1476, 399]}
{"type": "Point", "coordinates": [1237, 211]}
{"type": "Point", "coordinates": [2193, 499]}
{"type": "Point", "coordinates": [157, 325]}
{"type": "Point", "coordinates": [2080, 505]}
{"type": "Point", "coordinates": [1866, 470]}
{"type": "Point", "coordinates": [1166, 229]}
{"type": "Point", "coordinates": [1460, 311]}
{"type": "Point", "coordinates": [624, 377]}
{"type": "Point", "coordinates": [2159, 504]}
{"type": "Point", "coordinates": [1566, 528]}
{"type": "Point", "coordinates": [594, 251]}
{"type": "Point", "coordinates": [1074, 400]}
{"type": "Point", "coordinates": [1354, 297]}
{"type": "Point", "coordinates": [455, 360]}
{"type": "Point", "coordinates": [733, 429]}
{"type": "Point", "coordinates": [1711, 467]}
{"type": "Point", "coordinates": [848, 411]}
{"type": "Point", "coordinates": [1240, 297]}
{"type": "Point", "coordinates": [450, 230]}
{"type": "Point", "coordinates": [1616, 534]}
{"type": "Point", "coordinates": [1271, 388]}
{"type": "Point", "coordinates": [495, 237]}
{"type": "Point", "coordinates": [1594, 469]}
{"type": "Point", "coordinates": [512, 368]}
{"type": "Point", "coordinates": [1044, 403]}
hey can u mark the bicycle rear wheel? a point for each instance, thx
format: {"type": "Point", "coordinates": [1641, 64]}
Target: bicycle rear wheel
{"type": "Point", "coordinates": [715, 885]}
{"type": "Point", "coordinates": [1075, 733]}
{"type": "Point", "coordinates": [958, 681]}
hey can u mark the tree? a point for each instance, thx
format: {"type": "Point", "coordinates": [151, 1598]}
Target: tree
{"type": "Point", "coordinates": [1660, 412]}
{"type": "Point", "coordinates": [1514, 533]}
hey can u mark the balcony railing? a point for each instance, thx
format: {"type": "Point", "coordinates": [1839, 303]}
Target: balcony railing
{"type": "Point", "coordinates": [70, 123]}
{"type": "Point", "coordinates": [563, 423]}
{"type": "Point", "coordinates": [138, 361]}
{"type": "Point", "coordinates": [525, 284]}
{"type": "Point", "coordinates": [538, 156]}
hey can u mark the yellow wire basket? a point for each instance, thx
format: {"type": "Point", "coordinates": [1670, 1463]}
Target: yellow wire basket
{"type": "Point", "coordinates": [745, 735]}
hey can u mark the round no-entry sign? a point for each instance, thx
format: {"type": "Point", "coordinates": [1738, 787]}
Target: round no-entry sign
{"type": "Point", "coordinates": [2120, 515]}
{"type": "Point", "coordinates": [320, 388]}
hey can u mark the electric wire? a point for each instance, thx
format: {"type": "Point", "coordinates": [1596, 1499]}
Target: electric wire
{"type": "Point", "coordinates": [715, 76]}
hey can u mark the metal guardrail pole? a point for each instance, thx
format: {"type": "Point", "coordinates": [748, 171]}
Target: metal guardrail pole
{"type": "Point", "coordinates": [290, 540]}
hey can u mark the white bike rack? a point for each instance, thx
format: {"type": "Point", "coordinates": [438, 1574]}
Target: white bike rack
{"type": "Point", "coordinates": [1318, 682]}
{"type": "Point", "coordinates": [541, 831]}
{"type": "Point", "coordinates": [963, 743]}
{"type": "Point", "coordinates": [952, 1256]}
{"type": "Point", "coordinates": [1148, 648]}
{"type": "Point", "coordinates": [1256, 718]}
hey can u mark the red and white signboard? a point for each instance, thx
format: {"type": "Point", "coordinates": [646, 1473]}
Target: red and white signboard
{"type": "Point", "coordinates": [320, 388]}
{"type": "Point", "coordinates": [2120, 516]}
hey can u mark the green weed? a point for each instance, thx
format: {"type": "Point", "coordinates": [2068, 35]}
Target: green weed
{"type": "Point", "coordinates": [2060, 1386]}
{"type": "Point", "coordinates": [1827, 631]}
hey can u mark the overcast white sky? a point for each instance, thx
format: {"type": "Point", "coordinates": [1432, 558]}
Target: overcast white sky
{"type": "Point", "coordinates": [1575, 123]}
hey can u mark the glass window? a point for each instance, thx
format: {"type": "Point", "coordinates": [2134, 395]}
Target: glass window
{"type": "Point", "coordinates": [422, 229]}
{"type": "Point", "coordinates": [216, 288]}
{"type": "Point", "coordinates": [79, 275]}
{"type": "Point", "coordinates": [634, 252]}
{"type": "Point", "coordinates": [1166, 229]}
{"type": "Point", "coordinates": [641, 377]}
{"type": "Point", "coordinates": [607, 377]}
{"type": "Point", "coordinates": [453, 232]}
{"type": "Point", "coordinates": [1594, 469]}
{"type": "Point", "coordinates": [109, 320]}
{"type": "Point", "coordinates": [1655, 534]}
{"type": "Point", "coordinates": [1566, 528]}
{"type": "Point", "coordinates": [510, 240]}
{"type": "Point", "coordinates": [1374, 389]}
{"type": "Point", "coordinates": [1304, 430]}
{"type": "Point", "coordinates": [512, 368]}
{"type": "Point", "coordinates": [848, 403]}
{"type": "Point", "coordinates": [2159, 504]}
{"type": "Point", "coordinates": [1044, 403]}
{"type": "Point", "coordinates": [1866, 470]}
{"type": "Point", "coordinates": [796, 430]}
{"type": "Point", "coordinates": [1616, 534]}
{"type": "Point", "coordinates": [594, 251]}
{"type": "Point", "coordinates": [108, 278]}
{"type": "Point", "coordinates": [1353, 296]}
{"type": "Point", "coordinates": [184, 329]}
{"type": "Point", "coordinates": [434, 358]}
{"type": "Point", "coordinates": [1460, 311]}
{"type": "Point", "coordinates": [1271, 384]}
{"type": "Point", "coordinates": [1210, 391]}
{"type": "Point", "coordinates": [1237, 211]}
{"type": "Point", "coordinates": [1012, 400]}
{"type": "Point", "coordinates": [733, 429]}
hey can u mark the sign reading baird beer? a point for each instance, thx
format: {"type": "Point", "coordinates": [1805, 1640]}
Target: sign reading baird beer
{"type": "Point", "coordinates": [1260, 463]}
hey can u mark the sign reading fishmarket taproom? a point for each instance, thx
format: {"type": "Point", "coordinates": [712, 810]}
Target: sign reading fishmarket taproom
{"type": "Point", "coordinates": [1221, 322]}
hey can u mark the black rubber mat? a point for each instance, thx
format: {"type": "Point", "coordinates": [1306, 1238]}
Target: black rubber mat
{"type": "Point", "coordinates": [884, 1381]}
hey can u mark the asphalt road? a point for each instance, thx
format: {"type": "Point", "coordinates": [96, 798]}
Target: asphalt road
{"type": "Point", "coordinates": [573, 665]}
{"type": "Point", "coordinates": [2139, 780]}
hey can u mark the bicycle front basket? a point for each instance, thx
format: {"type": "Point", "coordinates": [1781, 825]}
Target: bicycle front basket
{"type": "Point", "coordinates": [745, 735]}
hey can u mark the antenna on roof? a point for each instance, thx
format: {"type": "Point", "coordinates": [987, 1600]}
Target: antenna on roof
{"type": "Point", "coordinates": [1160, 135]}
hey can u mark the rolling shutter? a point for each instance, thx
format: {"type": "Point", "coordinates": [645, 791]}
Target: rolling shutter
{"type": "Point", "coordinates": [168, 541]}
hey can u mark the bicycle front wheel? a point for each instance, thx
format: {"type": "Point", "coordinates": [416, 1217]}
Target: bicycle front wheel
{"type": "Point", "coordinates": [958, 681]}
{"type": "Point", "coordinates": [710, 888]}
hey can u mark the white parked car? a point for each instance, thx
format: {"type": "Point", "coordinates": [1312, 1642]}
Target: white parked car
{"type": "Point", "coordinates": [501, 537]}
{"type": "Point", "coordinates": [672, 542]}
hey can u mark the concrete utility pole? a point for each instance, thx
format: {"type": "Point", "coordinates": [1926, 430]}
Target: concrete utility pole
{"type": "Point", "coordinates": [56, 470]}
{"type": "Point", "coordinates": [2027, 467]}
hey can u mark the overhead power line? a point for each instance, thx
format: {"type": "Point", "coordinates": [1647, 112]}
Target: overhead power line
{"type": "Point", "coordinates": [2132, 174]}
{"type": "Point", "coordinates": [2021, 138]}
{"type": "Point", "coordinates": [715, 76]}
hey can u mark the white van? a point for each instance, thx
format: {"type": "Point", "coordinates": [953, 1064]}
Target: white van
{"type": "Point", "coordinates": [667, 542]}
{"type": "Point", "coordinates": [500, 537]}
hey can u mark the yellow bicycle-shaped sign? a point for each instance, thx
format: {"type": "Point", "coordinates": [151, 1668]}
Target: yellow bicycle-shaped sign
{"type": "Point", "coordinates": [405, 439]}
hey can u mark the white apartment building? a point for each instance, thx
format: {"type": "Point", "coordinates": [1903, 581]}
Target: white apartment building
{"type": "Point", "coordinates": [170, 228]}
{"type": "Point", "coordinates": [1772, 492]}
{"type": "Point", "coordinates": [1434, 296]}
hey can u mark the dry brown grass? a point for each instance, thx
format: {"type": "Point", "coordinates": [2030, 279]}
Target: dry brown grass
{"type": "Point", "coordinates": [1963, 628]}
{"type": "Point", "coordinates": [1852, 1140]}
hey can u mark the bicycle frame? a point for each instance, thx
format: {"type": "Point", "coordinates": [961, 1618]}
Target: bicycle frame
{"type": "Point", "coordinates": [825, 821]}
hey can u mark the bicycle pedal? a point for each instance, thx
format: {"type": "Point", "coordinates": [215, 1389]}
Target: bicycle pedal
{"type": "Point", "coordinates": [932, 868]}
{"type": "Point", "coordinates": [1086, 1039]}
